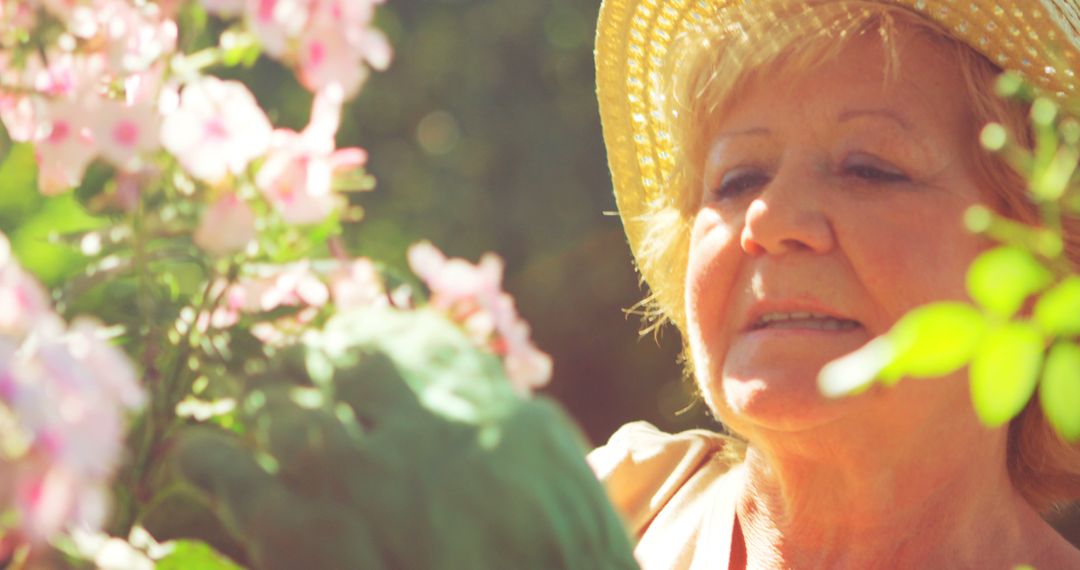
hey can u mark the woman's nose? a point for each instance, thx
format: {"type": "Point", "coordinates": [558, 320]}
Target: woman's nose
{"type": "Point", "coordinates": [787, 217]}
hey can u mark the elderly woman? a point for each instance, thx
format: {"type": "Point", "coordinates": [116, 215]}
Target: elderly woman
{"type": "Point", "coordinates": [792, 177]}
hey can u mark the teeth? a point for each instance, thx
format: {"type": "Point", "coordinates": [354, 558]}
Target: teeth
{"type": "Point", "coordinates": [804, 320]}
{"type": "Point", "coordinates": [769, 317]}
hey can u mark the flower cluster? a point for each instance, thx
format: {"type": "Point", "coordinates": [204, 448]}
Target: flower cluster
{"type": "Point", "coordinates": [113, 86]}
{"type": "Point", "coordinates": [219, 129]}
{"type": "Point", "coordinates": [299, 289]}
{"type": "Point", "coordinates": [330, 43]}
{"type": "Point", "coordinates": [64, 391]}
{"type": "Point", "coordinates": [92, 93]}
{"type": "Point", "coordinates": [187, 158]}
{"type": "Point", "coordinates": [472, 295]}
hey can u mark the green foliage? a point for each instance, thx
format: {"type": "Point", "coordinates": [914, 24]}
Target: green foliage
{"type": "Point", "coordinates": [1005, 371]}
{"type": "Point", "coordinates": [934, 340]}
{"type": "Point", "coordinates": [189, 554]}
{"type": "Point", "coordinates": [19, 196]}
{"type": "Point", "coordinates": [1059, 392]}
{"type": "Point", "coordinates": [1058, 310]}
{"type": "Point", "coordinates": [1003, 278]}
{"type": "Point", "coordinates": [34, 242]}
{"type": "Point", "coordinates": [404, 447]}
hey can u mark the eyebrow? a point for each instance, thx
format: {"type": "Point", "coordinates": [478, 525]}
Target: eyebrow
{"type": "Point", "coordinates": [851, 114]}
{"type": "Point", "coordinates": [756, 131]}
{"type": "Point", "coordinates": [847, 115]}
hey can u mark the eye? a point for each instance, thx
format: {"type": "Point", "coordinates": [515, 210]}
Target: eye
{"type": "Point", "coordinates": [872, 169]}
{"type": "Point", "coordinates": [741, 179]}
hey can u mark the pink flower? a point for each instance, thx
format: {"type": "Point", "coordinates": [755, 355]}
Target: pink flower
{"type": "Point", "coordinates": [527, 367]}
{"type": "Point", "coordinates": [45, 496]}
{"type": "Point", "coordinates": [66, 148]}
{"type": "Point", "coordinates": [472, 295]}
{"type": "Point", "coordinates": [357, 284]}
{"type": "Point", "coordinates": [63, 394]}
{"type": "Point", "coordinates": [74, 76]}
{"type": "Point", "coordinates": [126, 133]}
{"type": "Point", "coordinates": [354, 19]}
{"type": "Point", "coordinates": [336, 44]}
{"type": "Point", "coordinates": [455, 281]}
{"type": "Point", "coordinates": [17, 15]}
{"type": "Point", "coordinates": [278, 23]}
{"type": "Point", "coordinates": [228, 226]}
{"type": "Point", "coordinates": [113, 372]}
{"type": "Point", "coordinates": [136, 36]}
{"type": "Point", "coordinates": [291, 285]}
{"type": "Point", "coordinates": [326, 60]}
{"type": "Point", "coordinates": [218, 129]}
{"type": "Point", "coordinates": [23, 302]}
{"type": "Point", "coordinates": [19, 116]}
{"type": "Point", "coordinates": [297, 177]}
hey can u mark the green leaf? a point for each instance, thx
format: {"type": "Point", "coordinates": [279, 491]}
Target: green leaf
{"type": "Point", "coordinates": [1003, 278]}
{"type": "Point", "coordinates": [51, 262]}
{"type": "Point", "coordinates": [934, 340]}
{"type": "Point", "coordinates": [187, 554]}
{"type": "Point", "coordinates": [1058, 311]}
{"type": "Point", "coordinates": [1059, 393]}
{"type": "Point", "coordinates": [384, 479]}
{"type": "Point", "coordinates": [19, 196]}
{"type": "Point", "coordinates": [1005, 371]}
{"type": "Point", "coordinates": [452, 377]}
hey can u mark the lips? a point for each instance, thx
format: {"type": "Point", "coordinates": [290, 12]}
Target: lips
{"type": "Point", "coordinates": [797, 316]}
{"type": "Point", "coordinates": [803, 320]}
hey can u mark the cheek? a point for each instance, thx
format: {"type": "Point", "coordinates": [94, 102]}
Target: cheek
{"type": "Point", "coordinates": [713, 263]}
{"type": "Point", "coordinates": [907, 260]}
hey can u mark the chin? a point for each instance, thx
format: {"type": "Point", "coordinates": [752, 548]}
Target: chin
{"type": "Point", "coordinates": [785, 404]}
{"type": "Point", "coordinates": [773, 386]}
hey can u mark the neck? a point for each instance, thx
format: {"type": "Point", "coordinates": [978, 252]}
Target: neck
{"type": "Point", "coordinates": [832, 501]}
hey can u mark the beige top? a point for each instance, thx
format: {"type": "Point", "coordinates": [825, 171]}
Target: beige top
{"type": "Point", "coordinates": [676, 493]}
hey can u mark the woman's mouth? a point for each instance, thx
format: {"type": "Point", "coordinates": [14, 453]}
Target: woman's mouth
{"type": "Point", "coordinates": [802, 320]}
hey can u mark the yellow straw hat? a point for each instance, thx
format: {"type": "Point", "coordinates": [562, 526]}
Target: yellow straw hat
{"type": "Point", "coordinates": [636, 43]}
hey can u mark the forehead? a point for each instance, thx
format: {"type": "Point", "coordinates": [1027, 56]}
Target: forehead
{"type": "Point", "coordinates": [913, 77]}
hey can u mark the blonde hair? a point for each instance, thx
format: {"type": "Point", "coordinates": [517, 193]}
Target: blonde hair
{"type": "Point", "coordinates": [723, 59]}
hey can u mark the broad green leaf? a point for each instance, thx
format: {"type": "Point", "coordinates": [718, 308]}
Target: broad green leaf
{"type": "Point", "coordinates": [385, 479]}
{"type": "Point", "coordinates": [934, 340]}
{"type": "Point", "coordinates": [189, 554]}
{"type": "Point", "coordinates": [1003, 278]}
{"type": "Point", "coordinates": [450, 375]}
{"type": "Point", "coordinates": [19, 196]}
{"type": "Point", "coordinates": [1059, 392]}
{"type": "Point", "coordinates": [1005, 371]}
{"type": "Point", "coordinates": [52, 263]}
{"type": "Point", "coordinates": [1058, 310]}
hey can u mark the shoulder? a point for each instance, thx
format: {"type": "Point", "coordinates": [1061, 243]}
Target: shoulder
{"type": "Point", "coordinates": [642, 468]}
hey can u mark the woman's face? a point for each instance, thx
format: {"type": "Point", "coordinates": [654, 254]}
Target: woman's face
{"type": "Point", "coordinates": [832, 204]}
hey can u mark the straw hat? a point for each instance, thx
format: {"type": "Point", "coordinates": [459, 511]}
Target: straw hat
{"type": "Point", "coordinates": [635, 57]}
